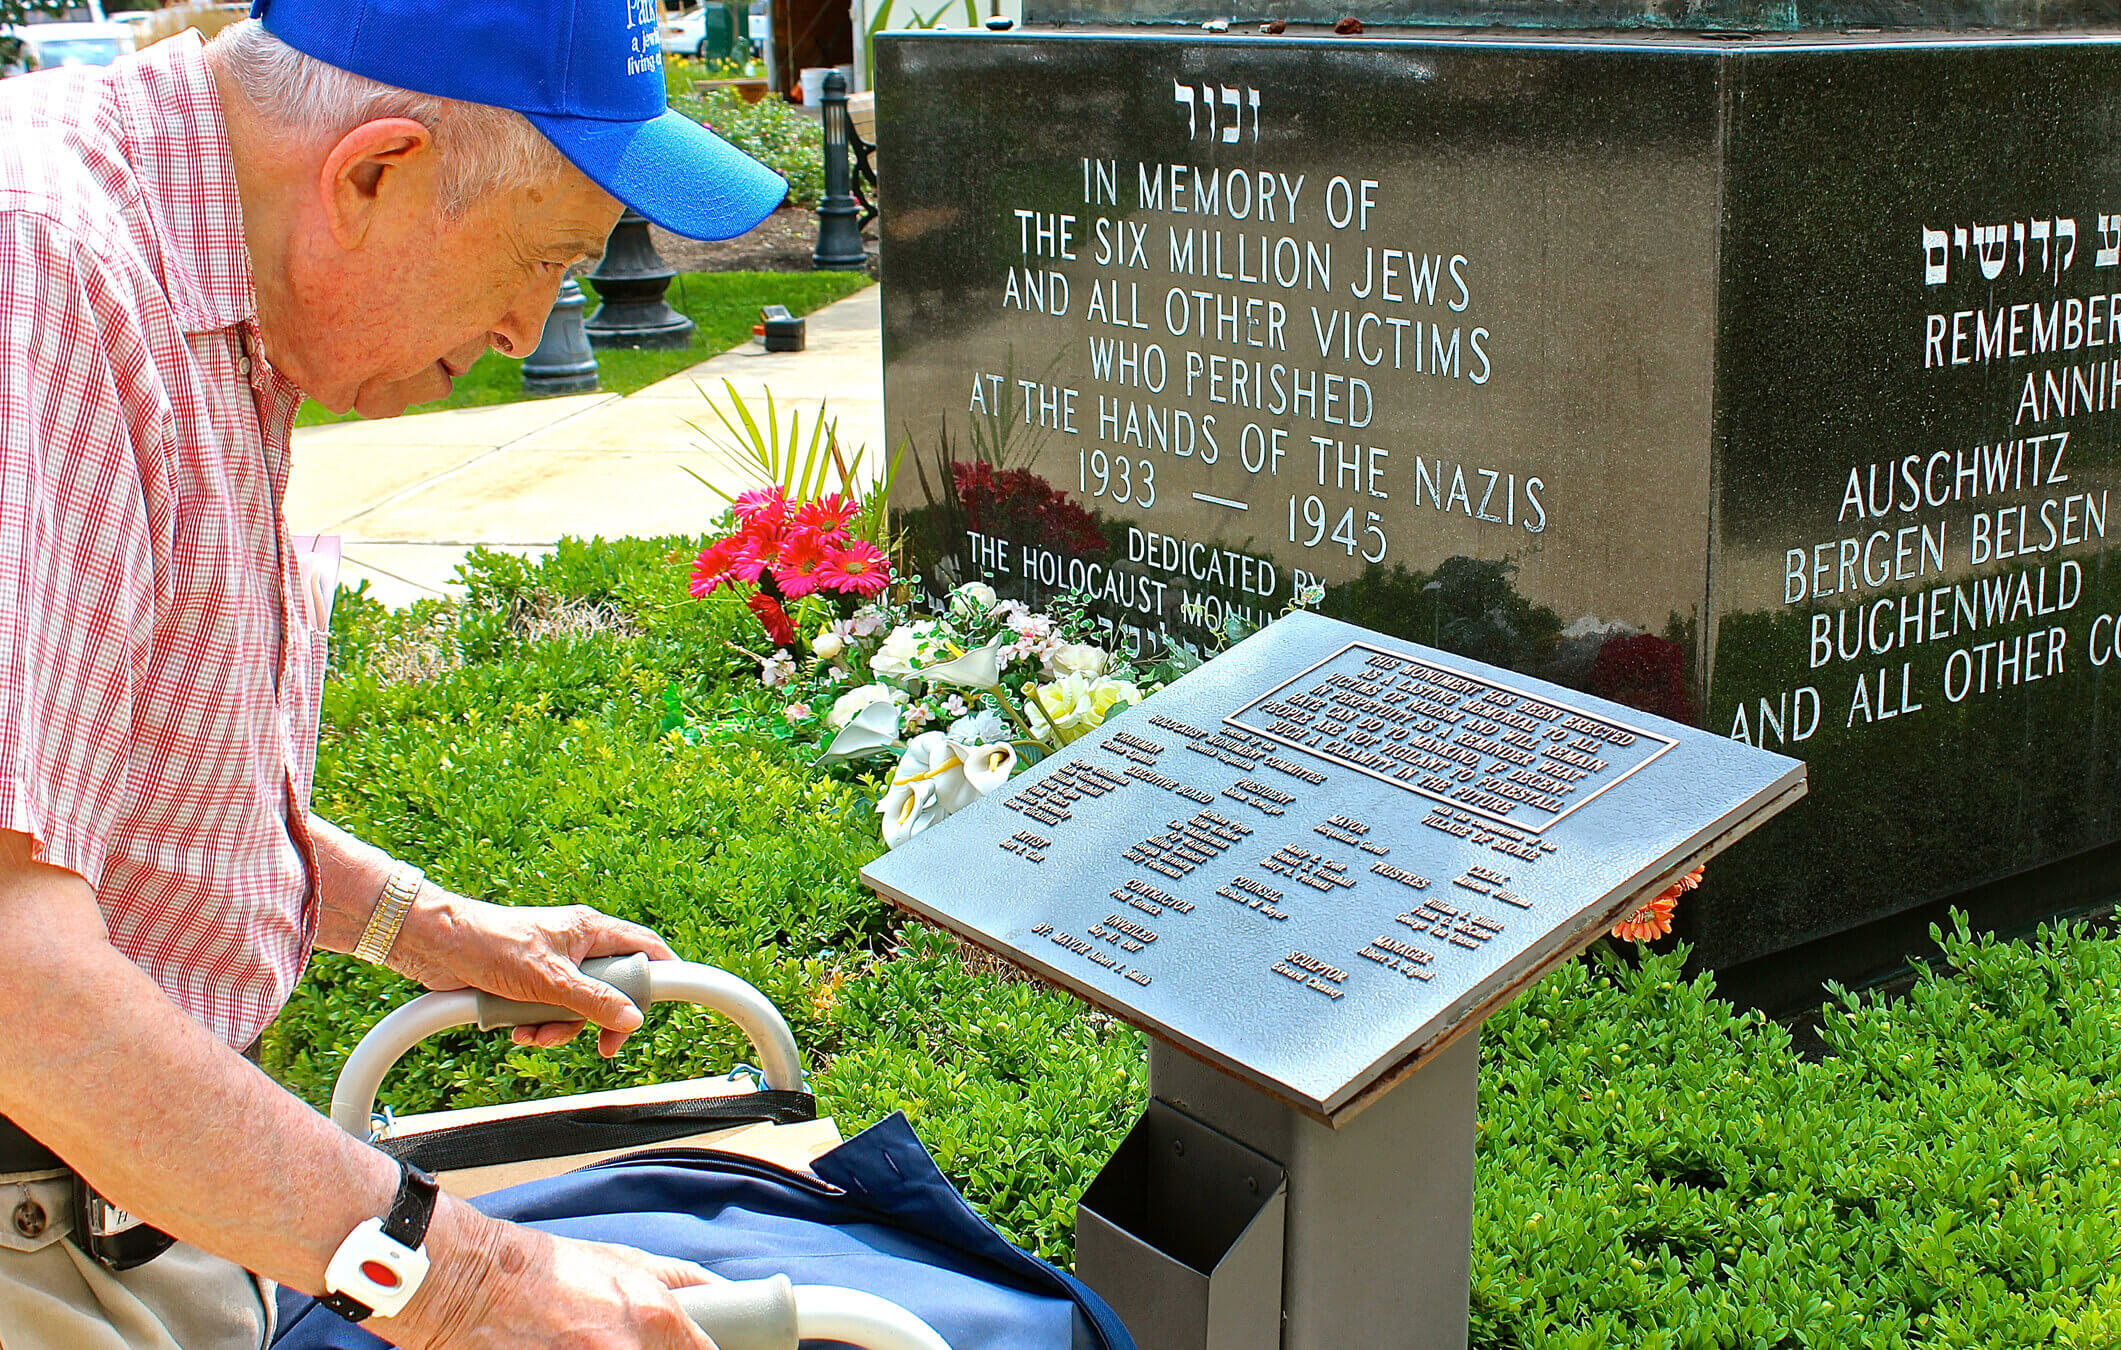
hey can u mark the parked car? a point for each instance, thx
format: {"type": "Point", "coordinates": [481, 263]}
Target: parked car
{"type": "Point", "coordinates": [706, 31]}
{"type": "Point", "coordinates": [80, 34]}
{"type": "Point", "coordinates": [75, 44]}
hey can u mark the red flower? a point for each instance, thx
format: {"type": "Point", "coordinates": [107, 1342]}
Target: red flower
{"type": "Point", "coordinates": [772, 618]}
{"type": "Point", "coordinates": [827, 517]}
{"type": "Point", "coordinates": [766, 507]}
{"type": "Point", "coordinates": [1020, 504]}
{"type": "Point", "coordinates": [1643, 671]}
{"type": "Point", "coordinates": [1654, 919]}
{"type": "Point", "coordinates": [857, 569]}
{"type": "Point", "coordinates": [796, 571]}
{"type": "Point", "coordinates": [712, 569]}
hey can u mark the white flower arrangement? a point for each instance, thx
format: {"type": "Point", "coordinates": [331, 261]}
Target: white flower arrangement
{"type": "Point", "coordinates": [1000, 684]}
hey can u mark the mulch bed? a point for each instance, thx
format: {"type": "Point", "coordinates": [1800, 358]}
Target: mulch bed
{"type": "Point", "coordinates": [782, 243]}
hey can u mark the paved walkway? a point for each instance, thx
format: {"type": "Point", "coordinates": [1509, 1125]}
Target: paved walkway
{"type": "Point", "coordinates": [410, 495]}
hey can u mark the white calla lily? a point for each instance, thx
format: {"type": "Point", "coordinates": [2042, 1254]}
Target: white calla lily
{"type": "Point", "coordinates": [931, 759]}
{"type": "Point", "coordinates": [986, 767]}
{"type": "Point", "coordinates": [908, 809]}
{"type": "Point", "coordinates": [980, 668]}
{"type": "Point", "coordinates": [872, 729]}
{"type": "Point", "coordinates": [854, 700]}
{"type": "Point", "coordinates": [924, 754]}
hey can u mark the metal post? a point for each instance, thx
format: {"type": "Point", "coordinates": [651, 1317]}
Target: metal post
{"type": "Point", "coordinates": [563, 362]}
{"type": "Point", "coordinates": [1376, 1227]}
{"type": "Point", "coordinates": [839, 237]}
{"type": "Point", "coordinates": [631, 279]}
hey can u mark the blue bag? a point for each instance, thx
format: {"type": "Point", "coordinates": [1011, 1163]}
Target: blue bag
{"type": "Point", "coordinates": [877, 1216]}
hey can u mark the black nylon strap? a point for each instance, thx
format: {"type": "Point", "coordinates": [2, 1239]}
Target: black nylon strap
{"type": "Point", "coordinates": [594, 1129]}
{"type": "Point", "coordinates": [406, 1224]}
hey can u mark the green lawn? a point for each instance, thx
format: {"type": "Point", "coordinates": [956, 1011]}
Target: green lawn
{"type": "Point", "coordinates": [723, 304]}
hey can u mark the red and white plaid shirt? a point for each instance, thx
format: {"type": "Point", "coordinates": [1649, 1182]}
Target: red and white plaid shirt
{"type": "Point", "coordinates": [158, 669]}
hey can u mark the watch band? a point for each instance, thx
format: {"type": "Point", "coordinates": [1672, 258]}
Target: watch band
{"type": "Point", "coordinates": [388, 917]}
{"type": "Point", "coordinates": [406, 1224]}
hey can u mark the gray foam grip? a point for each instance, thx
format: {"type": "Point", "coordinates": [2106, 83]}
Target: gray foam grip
{"type": "Point", "coordinates": [744, 1314]}
{"type": "Point", "coordinates": [627, 974]}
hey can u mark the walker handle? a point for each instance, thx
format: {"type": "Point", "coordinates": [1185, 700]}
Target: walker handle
{"type": "Point", "coordinates": [627, 974]}
{"type": "Point", "coordinates": [353, 1097]}
{"type": "Point", "coordinates": [744, 1314]}
{"type": "Point", "coordinates": [772, 1314]}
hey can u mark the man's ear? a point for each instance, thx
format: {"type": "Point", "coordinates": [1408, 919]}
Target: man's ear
{"type": "Point", "coordinates": [376, 167]}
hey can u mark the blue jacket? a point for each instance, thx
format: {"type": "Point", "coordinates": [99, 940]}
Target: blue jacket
{"type": "Point", "coordinates": [877, 1216]}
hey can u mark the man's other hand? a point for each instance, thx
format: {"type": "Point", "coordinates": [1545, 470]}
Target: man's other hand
{"type": "Point", "coordinates": [513, 1288]}
{"type": "Point", "coordinates": [527, 953]}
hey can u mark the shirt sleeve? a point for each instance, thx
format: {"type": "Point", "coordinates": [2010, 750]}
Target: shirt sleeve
{"type": "Point", "coordinates": [75, 549]}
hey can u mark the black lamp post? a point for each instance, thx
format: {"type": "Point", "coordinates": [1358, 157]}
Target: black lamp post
{"type": "Point", "coordinates": [631, 279]}
{"type": "Point", "coordinates": [563, 363]}
{"type": "Point", "coordinates": [839, 236]}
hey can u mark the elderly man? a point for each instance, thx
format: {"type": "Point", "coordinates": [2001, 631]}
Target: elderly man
{"type": "Point", "coordinates": [350, 201]}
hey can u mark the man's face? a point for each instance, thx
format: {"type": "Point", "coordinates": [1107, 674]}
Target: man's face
{"type": "Point", "coordinates": [392, 315]}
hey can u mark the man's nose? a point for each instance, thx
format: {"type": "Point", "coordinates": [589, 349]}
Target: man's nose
{"type": "Point", "coordinates": [517, 332]}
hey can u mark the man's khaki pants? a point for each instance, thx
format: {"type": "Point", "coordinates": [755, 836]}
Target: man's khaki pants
{"type": "Point", "coordinates": [53, 1296]}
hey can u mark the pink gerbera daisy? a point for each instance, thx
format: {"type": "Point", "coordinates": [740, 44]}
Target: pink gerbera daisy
{"type": "Point", "coordinates": [857, 569]}
{"type": "Point", "coordinates": [827, 517]}
{"type": "Point", "coordinates": [766, 507]}
{"type": "Point", "coordinates": [796, 571]}
{"type": "Point", "coordinates": [755, 555]}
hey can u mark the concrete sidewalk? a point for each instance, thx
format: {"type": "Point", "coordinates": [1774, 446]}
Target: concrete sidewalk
{"type": "Point", "coordinates": [411, 495]}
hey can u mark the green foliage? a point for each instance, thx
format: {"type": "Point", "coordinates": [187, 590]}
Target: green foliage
{"type": "Point", "coordinates": [771, 131]}
{"type": "Point", "coordinates": [805, 468]}
{"type": "Point", "coordinates": [681, 73]}
{"type": "Point", "coordinates": [1655, 1168]}
{"type": "Point", "coordinates": [724, 304]}
{"type": "Point", "coordinates": [1018, 1092]}
{"type": "Point", "coordinates": [886, 16]}
{"type": "Point", "coordinates": [14, 13]}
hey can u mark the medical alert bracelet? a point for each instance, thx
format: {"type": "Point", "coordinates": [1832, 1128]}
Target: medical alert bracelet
{"type": "Point", "coordinates": [389, 916]}
{"type": "Point", "coordinates": [382, 1263]}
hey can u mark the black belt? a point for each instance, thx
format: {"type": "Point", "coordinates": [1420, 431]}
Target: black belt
{"type": "Point", "coordinates": [114, 1238]}
{"type": "Point", "coordinates": [20, 1153]}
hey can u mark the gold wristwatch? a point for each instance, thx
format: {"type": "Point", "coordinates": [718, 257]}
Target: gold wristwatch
{"type": "Point", "coordinates": [389, 914]}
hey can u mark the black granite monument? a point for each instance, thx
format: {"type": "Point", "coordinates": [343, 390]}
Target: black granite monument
{"type": "Point", "coordinates": [1765, 381]}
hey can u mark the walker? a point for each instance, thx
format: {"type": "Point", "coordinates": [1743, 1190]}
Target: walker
{"type": "Point", "coordinates": [764, 1314]}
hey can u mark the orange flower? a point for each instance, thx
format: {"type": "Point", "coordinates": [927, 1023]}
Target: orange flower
{"type": "Point", "coordinates": [1654, 919]}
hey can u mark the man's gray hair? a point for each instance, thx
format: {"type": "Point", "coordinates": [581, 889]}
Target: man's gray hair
{"type": "Point", "coordinates": [484, 149]}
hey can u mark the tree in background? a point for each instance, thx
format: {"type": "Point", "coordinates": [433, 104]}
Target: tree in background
{"type": "Point", "coordinates": [16, 12]}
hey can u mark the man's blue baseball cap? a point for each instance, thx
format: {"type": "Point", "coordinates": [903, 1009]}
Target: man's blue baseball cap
{"type": "Point", "coordinates": [587, 73]}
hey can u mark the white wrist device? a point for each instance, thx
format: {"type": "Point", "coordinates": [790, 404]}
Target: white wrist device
{"type": "Point", "coordinates": [376, 1270]}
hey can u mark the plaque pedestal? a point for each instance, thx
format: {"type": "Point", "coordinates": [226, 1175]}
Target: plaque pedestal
{"type": "Point", "coordinates": [1310, 871]}
{"type": "Point", "coordinates": [1368, 1241]}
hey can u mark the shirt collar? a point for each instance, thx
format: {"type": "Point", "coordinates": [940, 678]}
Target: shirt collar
{"type": "Point", "coordinates": [176, 138]}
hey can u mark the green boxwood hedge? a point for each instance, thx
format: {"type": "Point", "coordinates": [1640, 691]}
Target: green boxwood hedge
{"type": "Point", "coordinates": [1655, 1167]}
